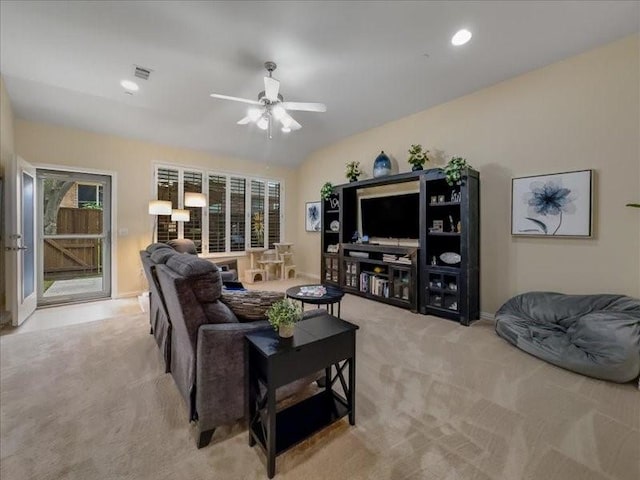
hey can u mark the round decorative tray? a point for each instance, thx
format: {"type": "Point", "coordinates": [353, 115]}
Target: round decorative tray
{"type": "Point", "coordinates": [334, 226]}
{"type": "Point", "coordinates": [450, 258]}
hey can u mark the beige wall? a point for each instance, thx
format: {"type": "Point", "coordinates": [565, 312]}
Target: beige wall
{"type": "Point", "coordinates": [133, 162]}
{"type": "Point", "coordinates": [6, 152]}
{"type": "Point", "coordinates": [580, 113]}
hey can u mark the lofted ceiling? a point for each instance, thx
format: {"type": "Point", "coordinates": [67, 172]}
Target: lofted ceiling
{"type": "Point", "coordinates": [369, 62]}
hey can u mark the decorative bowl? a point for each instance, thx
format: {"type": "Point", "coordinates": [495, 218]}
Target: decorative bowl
{"type": "Point", "coordinates": [450, 258]}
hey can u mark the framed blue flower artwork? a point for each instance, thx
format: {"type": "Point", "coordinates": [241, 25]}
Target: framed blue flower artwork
{"type": "Point", "coordinates": [312, 216]}
{"type": "Point", "coordinates": [554, 205]}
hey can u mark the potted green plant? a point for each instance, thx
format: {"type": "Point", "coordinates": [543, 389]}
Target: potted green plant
{"type": "Point", "coordinates": [417, 157]}
{"type": "Point", "coordinates": [283, 316]}
{"type": "Point", "coordinates": [454, 169]}
{"type": "Point", "coordinates": [353, 171]}
{"type": "Point", "coordinates": [326, 191]}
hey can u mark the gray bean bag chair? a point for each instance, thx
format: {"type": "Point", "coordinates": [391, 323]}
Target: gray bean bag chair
{"type": "Point", "coordinates": [595, 335]}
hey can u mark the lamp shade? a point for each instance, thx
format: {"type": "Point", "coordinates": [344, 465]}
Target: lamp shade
{"type": "Point", "coordinates": [159, 207]}
{"type": "Point", "coordinates": [192, 199]}
{"type": "Point", "coordinates": [180, 215]}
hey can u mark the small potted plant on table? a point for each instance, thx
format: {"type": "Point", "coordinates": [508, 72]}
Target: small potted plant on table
{"type": "Point", "coordinates": [283, 316]}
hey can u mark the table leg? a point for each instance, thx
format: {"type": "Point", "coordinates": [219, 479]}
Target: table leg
{"type": "Point", "coordinates": [271, 431]}
{"type": "Point", "coordinates": [339, 302]}
{"type": "Point", "coordinates": [327, 379]}
{"type": "Point", "coordinates": [352, 387]}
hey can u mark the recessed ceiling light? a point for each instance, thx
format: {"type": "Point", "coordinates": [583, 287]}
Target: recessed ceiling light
{"type": "Point", "coordinates": [461, 37]}
{"type": "Point", "coordinates": [129, 85]}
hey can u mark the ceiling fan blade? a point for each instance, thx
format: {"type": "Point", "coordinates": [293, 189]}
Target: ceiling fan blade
{"type": "Point", "coordinates": [271, 88]}
{"type": "Point", "coordinates": [244, 121]}
{"type": "Point", "coordinates": [235, 99]}
{"type": "Point", "coordinates": [294, 125]}
{"type": "Point", "coordinates": [305, 107]}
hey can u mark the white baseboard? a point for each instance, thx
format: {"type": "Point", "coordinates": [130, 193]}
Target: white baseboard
{"type": "Point", "coordinates": [487, 316]}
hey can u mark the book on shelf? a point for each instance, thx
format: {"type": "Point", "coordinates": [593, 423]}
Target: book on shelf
{"type": "Point", "coordinates": [374, 285]}
{"type": "Point", "coordinates": [386, 257]}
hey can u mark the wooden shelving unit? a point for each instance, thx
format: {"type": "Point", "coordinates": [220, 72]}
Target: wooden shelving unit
{"type": "Point", "coordinates": [426, 284]}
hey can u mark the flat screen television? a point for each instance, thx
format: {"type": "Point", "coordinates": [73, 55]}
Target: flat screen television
{"type": "Point", "coordinates": [395, 216]}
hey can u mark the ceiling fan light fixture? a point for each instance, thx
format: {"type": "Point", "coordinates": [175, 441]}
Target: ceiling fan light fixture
{"type": "Point", "coordinates": [271, 107]}
{"type": "Point", "coordinates": [263, 123]}
{"type": "Point", "coordinates": [254, 114]}
{"type": "Point", "coordinates": [278, 112]}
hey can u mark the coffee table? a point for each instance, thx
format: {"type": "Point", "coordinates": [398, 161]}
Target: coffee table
{"type": "Point", "coordinates": [334, 295]}
{"type": "Point", "coordinates": [322, 342]}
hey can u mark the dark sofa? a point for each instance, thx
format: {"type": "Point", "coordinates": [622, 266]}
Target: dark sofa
{"type": "Point", "coordinates": [160, 324]}
{"type": "Point", "coordinates": [206, 338]}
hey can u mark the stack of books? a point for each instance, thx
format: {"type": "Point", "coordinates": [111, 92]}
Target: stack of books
{"type": "Point", "coordinates": [386, 257]}
{"type": "Point", "coordinates": [374, 285]}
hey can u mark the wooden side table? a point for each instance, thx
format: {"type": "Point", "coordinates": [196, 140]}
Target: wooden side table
{"type": "Point", "coordinates": [320, 343]}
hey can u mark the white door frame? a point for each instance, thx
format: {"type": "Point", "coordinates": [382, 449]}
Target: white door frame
{"type": "Point", "coordinates": [114, 210]}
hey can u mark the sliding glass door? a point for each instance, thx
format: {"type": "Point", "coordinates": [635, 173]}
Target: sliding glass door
{"type": "Point", "coordinates": [74, 237]}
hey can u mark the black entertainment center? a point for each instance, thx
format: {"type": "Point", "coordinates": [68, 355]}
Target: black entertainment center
{"type": "Point", "coordinates": [431, 262]}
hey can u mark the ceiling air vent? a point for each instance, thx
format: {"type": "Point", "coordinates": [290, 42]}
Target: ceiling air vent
{"type": "Point", "coordinates": [142, 72]}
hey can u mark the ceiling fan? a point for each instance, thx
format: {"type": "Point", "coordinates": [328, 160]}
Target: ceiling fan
{"type": "Point", "coordinates": [270, 109]}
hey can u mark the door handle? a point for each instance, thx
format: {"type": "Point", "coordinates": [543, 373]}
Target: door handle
{"type": "Point", "coordinates": [15, 249]}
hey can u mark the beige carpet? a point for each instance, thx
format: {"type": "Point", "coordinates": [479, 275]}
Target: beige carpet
{"type": "Point", "coordinates": [434, 401]}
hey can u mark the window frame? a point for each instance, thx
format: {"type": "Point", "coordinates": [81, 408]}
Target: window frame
{"type": "Point", "coordinates": [228, 175]}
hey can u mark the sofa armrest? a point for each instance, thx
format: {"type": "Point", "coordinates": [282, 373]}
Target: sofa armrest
{"type": "Point", "coordinates": [220, 363]}
{"type": "Point", "coordinates": [250, 305]}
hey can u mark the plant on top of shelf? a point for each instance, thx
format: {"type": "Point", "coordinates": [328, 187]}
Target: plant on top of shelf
{"type": "Point", "coordinates": [283, 316]}
{"type": "Point", "coordinates": [353, 171]}
{"type": "Point", "coordinates": [417, 157]}
{"type": "Point", "coordinates": [453, 170]}
{"type": "Point", "coordinates": [326, 191]}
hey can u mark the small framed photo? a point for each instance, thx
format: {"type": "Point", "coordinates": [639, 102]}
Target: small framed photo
{"type": "Point", "coordinates": [554, 205]}
{"type": "Point", "coordinates": [441, 199]}
{"type": "Point", "coordinates": [434, 199]}
{"type": "Point", "coordinates": [438, 226]}
{"type": "Point", "coordinates": [312, 216]}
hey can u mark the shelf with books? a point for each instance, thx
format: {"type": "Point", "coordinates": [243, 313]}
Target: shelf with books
{"type": "Point", "coordinates": [385, 272]}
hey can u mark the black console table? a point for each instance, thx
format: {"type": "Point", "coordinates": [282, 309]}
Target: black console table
{"type": "Point", "coordinates": [323, 342]}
